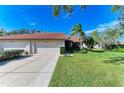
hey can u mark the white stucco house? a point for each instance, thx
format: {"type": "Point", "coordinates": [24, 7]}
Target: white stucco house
{"type": "Point", "coordinates": [37, 43]}
{"type": "Point", "coordinates": [97, 46]}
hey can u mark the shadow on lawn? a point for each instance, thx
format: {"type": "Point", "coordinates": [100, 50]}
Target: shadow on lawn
{"type": "Point", "coordinates": [98, 51]}
{"type": "Point", "coordinates": [115, 60]}
{"type": "Point", "coordinates": [13, 59]}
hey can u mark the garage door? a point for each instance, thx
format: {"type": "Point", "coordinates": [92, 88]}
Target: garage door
{"type": "Point", "coordinates": [48, 48]}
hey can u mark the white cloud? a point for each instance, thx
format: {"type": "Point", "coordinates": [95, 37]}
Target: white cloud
{"type": "Point", "coordinates": [102, 27]}
{"type": "Point", "coordinates": [89, 31]}
{"type": "Point", "coordinates": [32, 24]}
{"type": "Point", "coordinates": [110, 24]}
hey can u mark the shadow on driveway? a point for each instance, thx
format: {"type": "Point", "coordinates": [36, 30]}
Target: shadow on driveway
{"type": "Point", "coordinates": [13, 59]}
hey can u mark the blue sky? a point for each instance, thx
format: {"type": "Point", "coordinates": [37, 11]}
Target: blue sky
{"type": "Point", "coordinates": [40, 17]}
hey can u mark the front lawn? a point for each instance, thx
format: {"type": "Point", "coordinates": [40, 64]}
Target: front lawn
{"type": "Point", "coordinates": [91, 69]}
{"type": "Point", "coordinates": [118, 50]}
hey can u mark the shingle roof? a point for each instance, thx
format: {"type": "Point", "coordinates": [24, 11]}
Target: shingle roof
{"type": "Point", "coordinates": [35, 36]}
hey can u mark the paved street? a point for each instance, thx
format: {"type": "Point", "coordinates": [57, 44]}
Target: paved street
{"type": "Point", "coordinates": [34, 71]}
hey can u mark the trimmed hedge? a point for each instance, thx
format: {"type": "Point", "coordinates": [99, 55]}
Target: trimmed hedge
{"type": "Point", "coordinates": [4, 55]}
{"type": "Point", "coordinates": [62, 50]}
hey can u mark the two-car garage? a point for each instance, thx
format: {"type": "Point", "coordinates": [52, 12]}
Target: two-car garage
{"type": "Point", "coordinates": [34, 47]}
{"type": "Point", "coordinates": [40, 43]}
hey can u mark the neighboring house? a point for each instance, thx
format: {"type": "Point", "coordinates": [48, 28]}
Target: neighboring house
{"type": "Point", "coordinates": [72, 42]}
{"type": "Point", "coordinates": [37, 43]}
{"type": "Point", "coordinates": [121, 43]}
{"type": "Point", "coordinates": [97, 46]}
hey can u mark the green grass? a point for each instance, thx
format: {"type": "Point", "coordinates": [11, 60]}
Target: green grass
{"type": "Point", "coordinates": [118, 50]}
{"type": "Point", "coordinates": [94, 69]}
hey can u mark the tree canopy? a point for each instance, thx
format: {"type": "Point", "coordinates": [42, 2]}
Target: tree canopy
{"type": "Point", "coordinates": [65, 8]}
{"type": "Point", "coordinates": [77, 30]}
{"type": "Point", "coordinates": [3, 32]}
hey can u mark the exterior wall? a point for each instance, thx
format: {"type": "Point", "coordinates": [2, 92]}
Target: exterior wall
{"type": "Point", "coordinates": [9, 45]}
{"type": "Point", "coordinates": [84, 45]}
{"type": "Point", "coordinates": [33, 46]}
{"type": "Point", "coordinates": [97, 46]}
{"type": "Point", "coordinates": [1, 48]}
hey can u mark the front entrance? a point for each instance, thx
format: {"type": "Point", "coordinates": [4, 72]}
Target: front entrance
{"type": "Point", "coordinates": [68, 45]}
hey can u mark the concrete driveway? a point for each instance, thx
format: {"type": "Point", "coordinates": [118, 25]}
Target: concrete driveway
{"type": "Point", "coordinates": [34, 71]}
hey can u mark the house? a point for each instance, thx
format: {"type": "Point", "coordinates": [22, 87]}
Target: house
{"type": "Point", "coordinates": [37, 43]}
{"type": "Point", "coordinates": [121, 43]}
{"type": "Point", "coordinates": [97, 46]}
{"type": "Point", "coordinates": [72, 42]}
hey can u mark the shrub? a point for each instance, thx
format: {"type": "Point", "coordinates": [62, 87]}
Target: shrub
{"type": "Point", "coordinates": [118, 50]}
{"type": "Point", "coordinates": [62, 50]}
{"type": "Point", "coordinates": [4, 55]}
{"type": "Point", "coordinates": [84, 50]}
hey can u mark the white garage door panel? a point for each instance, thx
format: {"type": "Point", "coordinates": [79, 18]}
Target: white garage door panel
{"type": "Point", "coordinates": [51, 48]}
{"type": "Point", "coordinates": [48, 51]}
{"type": "Point", "coordinates": [14, 45]}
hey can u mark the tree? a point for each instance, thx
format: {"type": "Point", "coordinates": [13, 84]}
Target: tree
{"type": "Point", "coordinates": [3, 32]}
{"type": "Point", "coordinates": [66, 8]}
{"type": "Point", "coordinates": [115, 8]}
{"type": "Point", "coordinates": [77, 30]}
{"type": "Point", "coordinates": [20, 31]}
{"type": "Point", "coordinates": [89, 41]}
{"type": "Point", "coordinates": [96, 36]}
{"type": "Point", "coordinates": [119, 8]}
{"type": "Point", "coordinates": [13, 32]}
{"type": "Point", "coordinates": [36, 31]}
{"type": "Point", "coordinates": [70, 8]}
{"type": "Point", "coordinates": [108, 37]}
{"type": "Point", "coordinates": [23, 31]}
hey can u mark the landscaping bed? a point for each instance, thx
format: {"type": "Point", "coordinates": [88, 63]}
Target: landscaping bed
{"type": "Point", "coordinates": [8, 54]}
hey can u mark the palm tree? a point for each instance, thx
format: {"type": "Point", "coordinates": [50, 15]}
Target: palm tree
{"type": "Point", "coordinates": [96, 36]}
{"type": "Point", "coordinates": [77, 30]}
{"type": "Point", "coordinates": [66, 8]}
{"type": "Point", "coordinates": [119, 8]}
{"type": "Point", "coordinates": [70, 8]}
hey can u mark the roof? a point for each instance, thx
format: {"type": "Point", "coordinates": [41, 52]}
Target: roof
{"type": "Point", "coordinates": [74, 39]}
{"type": "Point", "coordinates": [121, 43]}
{"type": "Point", "coordinates": [35, 36]}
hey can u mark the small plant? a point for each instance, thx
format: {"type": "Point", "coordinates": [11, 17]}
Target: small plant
{"type": "Point", "coordinates": [26, 53]}
{"type": "Point", "coordinates": [84, 50]}
{"type": "Point", "coordinates": [62, 50]}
